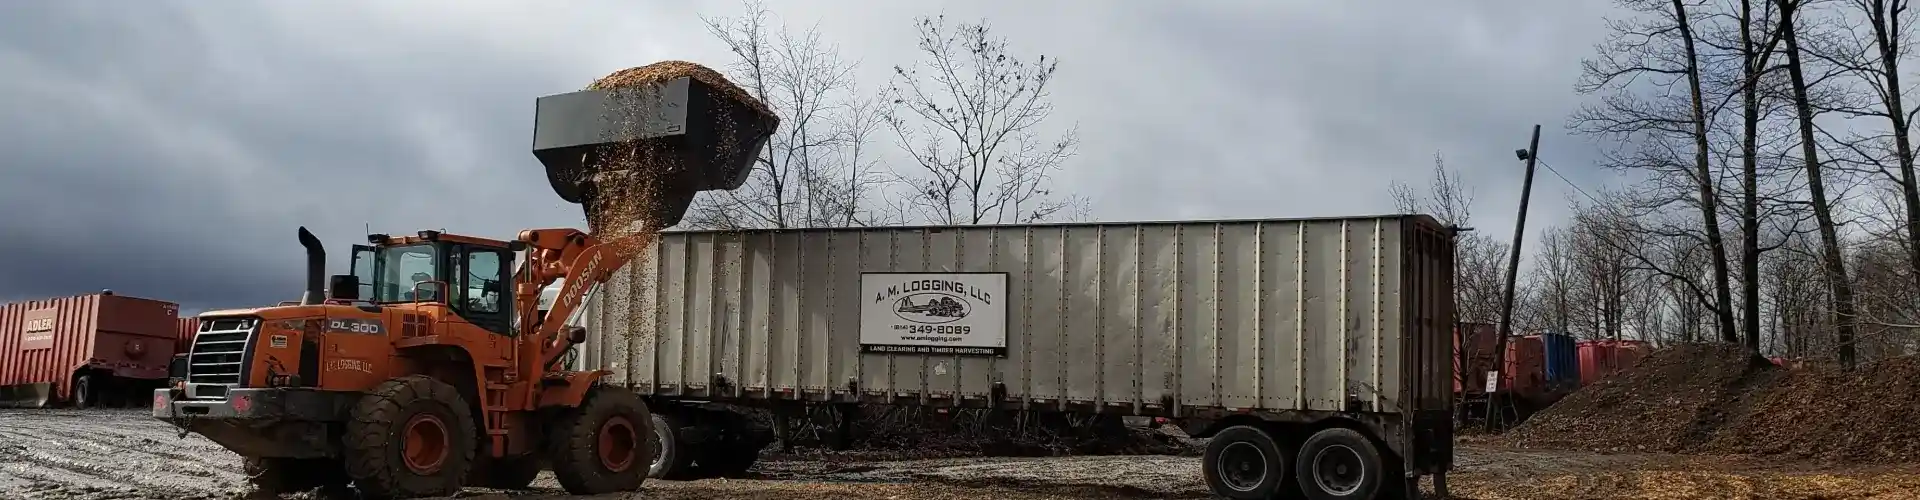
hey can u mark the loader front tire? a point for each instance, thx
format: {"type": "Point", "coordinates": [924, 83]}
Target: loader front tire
{"type": "Point", "coordinates": [412, 436]}
{"type": "Point", "coordinates": [602, 446]}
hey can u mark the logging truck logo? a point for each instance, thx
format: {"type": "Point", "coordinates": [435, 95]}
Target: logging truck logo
{"type": "Point", "coordinates": [932, 301]}
{"type": "Point", "coordinates": [931, 308]}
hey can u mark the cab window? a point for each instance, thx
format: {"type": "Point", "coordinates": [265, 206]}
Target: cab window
{"type": "Point", "coordinates": [403, 269]}
{"type": "Point", "coordinates": [483, 282]}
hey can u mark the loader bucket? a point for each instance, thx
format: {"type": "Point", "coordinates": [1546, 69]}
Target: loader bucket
{"type": "Point", "coordinates": [692, 137]}
{"type": "Point", "coordinates": [26, 395]}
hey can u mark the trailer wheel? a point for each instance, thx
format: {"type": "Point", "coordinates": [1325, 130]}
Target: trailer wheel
{"type": "Point", "coordinates": [601, 447]}
{"type": "Point", "coordinates": [412, 436]}
{"type": "Point", "coordinates": [1245, 463]}
{"type": "Point", "coordinates": [1339, 463]}
{"type": "Point", "coordinates": [84, 394]}
{"type": "Point", "coordinates": [514, 473]}
{"type": "Point", "coordinates": [670, 459]}
{"type": "Point", "coordinates": [732, 451]}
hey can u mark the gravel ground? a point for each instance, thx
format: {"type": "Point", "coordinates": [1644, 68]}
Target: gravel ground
{"type": "Point", "coordinates": [123, 455]}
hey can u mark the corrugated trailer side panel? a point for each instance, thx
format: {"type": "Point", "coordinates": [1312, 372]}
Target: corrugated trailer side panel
{"type": "Point", "coordinates": [183, 333]}
{"type": "Point", "coordinates": [1278, 314]}
{"type": "Point", "coordinates": [45, 341]}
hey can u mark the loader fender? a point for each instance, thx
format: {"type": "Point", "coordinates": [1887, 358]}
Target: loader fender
{"type": "Point", "coordinates": [567, 389]}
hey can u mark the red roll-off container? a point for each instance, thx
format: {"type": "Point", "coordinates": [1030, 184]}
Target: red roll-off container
{"type": "Point", "coordinates": [120, 345]}
{"type": "Point", "coordinates": [1600, 358]}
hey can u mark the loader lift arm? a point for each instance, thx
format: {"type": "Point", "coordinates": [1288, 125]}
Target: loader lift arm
{"type": "Point", "coordinates": [585, 262]}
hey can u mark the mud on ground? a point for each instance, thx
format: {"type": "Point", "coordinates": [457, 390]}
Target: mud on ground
{"type": "Point", "coordinates": [123, 455]}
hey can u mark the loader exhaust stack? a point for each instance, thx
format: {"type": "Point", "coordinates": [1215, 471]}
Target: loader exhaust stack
{"type": "Point", "coordinates": [316, 268]}
{"type": "Point", "coordinates": [681, 136]}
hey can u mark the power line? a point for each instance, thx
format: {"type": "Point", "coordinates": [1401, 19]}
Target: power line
{"type": "Point", "coordinates": [1570, 183]}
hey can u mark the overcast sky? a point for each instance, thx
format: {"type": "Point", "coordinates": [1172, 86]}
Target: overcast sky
{"type": "Point", "coordinates": [169, 149]}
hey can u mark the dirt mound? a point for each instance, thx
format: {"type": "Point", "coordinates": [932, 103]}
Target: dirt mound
{"type": "Point", "coordinates": [1672, 401]}
{"type": "Point", "coordinates": [1866, 415]}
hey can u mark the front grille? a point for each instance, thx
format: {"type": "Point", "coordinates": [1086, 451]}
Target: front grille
{"type": "Point", "coordinates": [220, 350]}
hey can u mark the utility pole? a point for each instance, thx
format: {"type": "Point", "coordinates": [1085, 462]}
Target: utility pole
{"type": "Point", "coordinates": [1531, 154]}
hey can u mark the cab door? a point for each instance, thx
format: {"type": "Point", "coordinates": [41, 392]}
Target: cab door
{"type": "Point", "coordinates": [483, 293]}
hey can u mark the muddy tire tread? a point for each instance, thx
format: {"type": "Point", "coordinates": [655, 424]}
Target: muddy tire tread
{"type": "Point", "coordinates": [574, 440]}
{"type": "Point", "coordinates": [373, 440]}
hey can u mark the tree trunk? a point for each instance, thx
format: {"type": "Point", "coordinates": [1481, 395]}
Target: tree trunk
{"type": "Point", "coordinates": [1703, 171]}
{"type": "Point", "coordinates": [1887, 34]}
{"type": "Point", "coordinates": [1835, 267]}
{"type": "Point", "coordinates": [1754, 63]}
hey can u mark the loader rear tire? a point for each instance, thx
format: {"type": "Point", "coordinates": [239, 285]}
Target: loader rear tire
{"type": "Point", "coordinates": [601, 447]}
{"type": "Point", "coordinates": [412, 436]}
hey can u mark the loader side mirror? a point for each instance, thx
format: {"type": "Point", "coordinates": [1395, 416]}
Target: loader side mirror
{"type": "Point", "coordinates": [576, 335]}
{"type": "Point", "coordinates": [343, 287]}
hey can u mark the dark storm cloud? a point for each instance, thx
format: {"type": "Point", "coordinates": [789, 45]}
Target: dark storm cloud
{"type": "Point", "coordinates": [170, 151]}
{"type": "Point", "coordinates": [171, 154]}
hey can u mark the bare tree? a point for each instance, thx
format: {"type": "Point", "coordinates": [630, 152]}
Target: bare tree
{"type": "Point", "coordinates": [971, 115]}
{"type": "Point", "coordinates": [1479, 260]}
{"type": "Point", "coordinates": [1667, 130]}
{"type": "Point", "coordinates": [818, 169]}
{"type": "Point", "coordinates": [1834, 261]}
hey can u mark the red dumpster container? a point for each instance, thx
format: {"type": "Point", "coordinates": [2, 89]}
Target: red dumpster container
{"type": "Point", "coordinates": [1526, 371]}
{"type": "Point", "coordinates": [85, 350]}
{"type": "Point", "coordinates": [1476, 349]}
{"type": "Point", "coordinates": [1600, 358]}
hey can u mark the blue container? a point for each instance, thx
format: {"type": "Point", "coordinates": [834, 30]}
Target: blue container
{"type": "Point", "coordinates": [1562, 360]}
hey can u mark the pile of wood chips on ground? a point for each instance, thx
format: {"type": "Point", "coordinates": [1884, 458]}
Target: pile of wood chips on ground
{"type": "Point", "coordinates": [1865, 415]}
{"type": "Point", "coordinates": [1673, 401]}
{"type": "Point", "coordinates": [1716, 399]}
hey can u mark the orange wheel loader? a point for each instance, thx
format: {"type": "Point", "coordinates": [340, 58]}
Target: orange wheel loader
{"type": "Point", "coordinates": [429, 366]}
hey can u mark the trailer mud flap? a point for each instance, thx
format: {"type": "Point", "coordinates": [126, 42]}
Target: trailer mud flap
{"type": "Point", "coordinates": [1432, 451]}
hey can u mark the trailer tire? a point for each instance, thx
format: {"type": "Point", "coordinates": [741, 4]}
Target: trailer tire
{"type": "Point", "coordinates": [669, 458]}
{"type": "Point", "coordinates": [85, 394]}
{"type": "Point", "coordinates": [1245, 463]}
{"type": "Point", "coordinates": [513, 473]}
{"type": "Point", "coordinates": [412, 436]}
{"type": "Point", "coordinates": [1339, 463]}
{"type": "Point", "coordinates": [601, 446]}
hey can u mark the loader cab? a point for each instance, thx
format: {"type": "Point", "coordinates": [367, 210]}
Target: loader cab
{"type": "Point", "coordinates": [473, 276]}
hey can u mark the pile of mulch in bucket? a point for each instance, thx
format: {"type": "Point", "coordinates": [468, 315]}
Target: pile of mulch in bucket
{"type": "Point", "coordinates": [1868, 415]}
{"type": "Point", "coordinates": [1673, 401]}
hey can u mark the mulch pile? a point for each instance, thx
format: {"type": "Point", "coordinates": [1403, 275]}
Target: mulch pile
{"type": "Point", "coordinates": [1866, 416]}
{"type": "Point", "coordinates": [1673, 401]}
{"type": "Point", "coordinates": [1714, 399]}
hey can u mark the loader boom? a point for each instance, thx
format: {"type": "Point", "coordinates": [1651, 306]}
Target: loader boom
{"type": "Point", "coordinates": [584, 262]}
